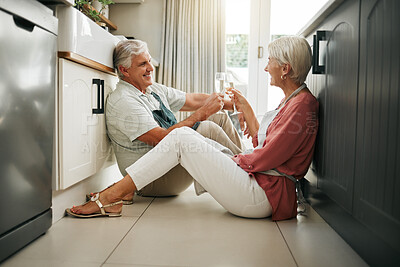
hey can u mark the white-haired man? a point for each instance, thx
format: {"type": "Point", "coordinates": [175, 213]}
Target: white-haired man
{"type": "Point", "coordinates": [139, 114]}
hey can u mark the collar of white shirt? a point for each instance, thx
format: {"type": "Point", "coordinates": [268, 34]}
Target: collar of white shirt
{"type": "Point", "coordinates": [135, 90]}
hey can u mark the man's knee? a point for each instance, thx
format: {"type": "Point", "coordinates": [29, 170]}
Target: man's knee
{"type": "Point", "coordinates": [208, 125]}
{"type": "Point", "coordinates": [219, 118]}
{"type": "Point", "coordinates": [182, 131]}
{"type": "Point", "coordinates": [208, 129]}
{"type": "Point", "coordinates": [179, 130]}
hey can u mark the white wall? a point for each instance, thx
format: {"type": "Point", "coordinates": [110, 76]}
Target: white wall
{"type": "Point", "coordinates": [142, 21]}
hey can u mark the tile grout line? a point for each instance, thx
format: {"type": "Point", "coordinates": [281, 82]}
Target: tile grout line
{"type": "Point", "coordinates": [286, 244]}
{"type": "Point", "coordinates": [127, 232]}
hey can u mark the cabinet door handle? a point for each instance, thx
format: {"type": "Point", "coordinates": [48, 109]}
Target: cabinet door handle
{"type": "Point", "coordinates": [320, 36]}
{"type": "Point", "coordinates": [100, 96]}
{"type": "Point", "coordinates": [23, 23]}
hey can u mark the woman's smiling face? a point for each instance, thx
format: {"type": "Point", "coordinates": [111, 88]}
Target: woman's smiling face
{"type": "Point", "coordinates": [274, 70]}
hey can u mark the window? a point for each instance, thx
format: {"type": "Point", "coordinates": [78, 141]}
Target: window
{"type": "Point", "coordinates": [250, 25]}
{"type": "Point", "coordinates": [288, 18]}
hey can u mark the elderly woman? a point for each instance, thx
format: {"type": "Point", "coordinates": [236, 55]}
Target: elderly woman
{"type": "Point", "coordinates": [254, 185]}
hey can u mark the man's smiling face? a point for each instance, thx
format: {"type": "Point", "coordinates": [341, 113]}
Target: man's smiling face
{"type": "Point", "coordinates": [139, 74]}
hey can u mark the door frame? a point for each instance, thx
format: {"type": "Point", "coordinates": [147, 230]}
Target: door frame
{"type": "Point", "coordinates": [259, 38]}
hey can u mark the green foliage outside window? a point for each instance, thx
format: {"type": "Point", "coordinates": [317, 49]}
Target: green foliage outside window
{"type": "Point", "coordinates": [236, 50]}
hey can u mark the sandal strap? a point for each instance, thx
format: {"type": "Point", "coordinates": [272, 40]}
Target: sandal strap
{"type": "Point", "coordinates": [113, 204]}
{"type": "Point", "coordinates": [93, 194]}
{"type": "Point", "coordinates": [102, 207]}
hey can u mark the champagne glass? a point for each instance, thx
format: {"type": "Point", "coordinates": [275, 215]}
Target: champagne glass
{"type": "Point", "coordinates": [230, 85]}
{"type": "Point", "coordinates": [219, 84]}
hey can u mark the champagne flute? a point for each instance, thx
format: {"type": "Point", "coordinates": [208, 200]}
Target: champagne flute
{"type": "Point", "coordinates": [230, 85]}
{"type": "Point", "coordinates": [219, 84]}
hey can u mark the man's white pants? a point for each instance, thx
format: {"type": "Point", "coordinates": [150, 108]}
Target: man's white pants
{"type": "Point", "coordinates": [226, 182]}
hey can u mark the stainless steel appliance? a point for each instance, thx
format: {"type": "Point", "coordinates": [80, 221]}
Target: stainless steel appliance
{"type": "Point", "coordinates": [28, 32]}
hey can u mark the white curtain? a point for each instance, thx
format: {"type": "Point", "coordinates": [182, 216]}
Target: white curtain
{"type": "Point", "coordinates": [193, 44]}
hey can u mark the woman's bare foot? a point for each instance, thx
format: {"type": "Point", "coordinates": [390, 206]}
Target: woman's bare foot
{"type": "Point", "coordinates": [105, 197]}
{"type": "Point", "coordinates": [109, 196]}
{"type": "Point", "coordinates": [128, 197]}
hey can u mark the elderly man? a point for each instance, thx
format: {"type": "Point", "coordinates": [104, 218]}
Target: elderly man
{"type": "Point", "coordinates": [139, 114]}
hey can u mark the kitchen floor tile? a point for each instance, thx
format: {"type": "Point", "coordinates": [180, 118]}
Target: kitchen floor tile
{"type": "Point", "coordinates": [81, 240]}
{"type": "Point", "coordinates": [317, 244]}
{"type": "Point", "coordinates": [188, 204]}
{"type": "Point", "coordinates": [134, 265]}
{"type": "Point", "coordinates": [187, 230]}
{"type": "Point", "coordinates": [219, 239]}
{"type": "Point", "coordinates": [310, 216]}
{"type": "Point", "coordinates": [18, 262]}
{"type": "Point", "coordinates": [140, 204]}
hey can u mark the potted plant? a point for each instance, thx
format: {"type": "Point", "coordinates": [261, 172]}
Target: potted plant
{"type": "Point", "coordinates": [87, 7]}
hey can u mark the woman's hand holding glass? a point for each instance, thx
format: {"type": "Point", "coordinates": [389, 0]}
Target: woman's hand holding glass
{"type": "Point", "coordinates": [239, 103]}
{"type": "Point", "coordinates": [247, 119]}
{"type": "Point", "coordinates": [228, 86]}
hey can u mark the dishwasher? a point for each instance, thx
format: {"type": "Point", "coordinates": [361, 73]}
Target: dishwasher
{"type": "Point", "coordinates": [28, 45]}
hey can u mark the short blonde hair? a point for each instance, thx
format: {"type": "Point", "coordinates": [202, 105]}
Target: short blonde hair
{"type": "Point", "coordinates": [124, 51]}
{"type": "Point", "coordinates": [293, 50]}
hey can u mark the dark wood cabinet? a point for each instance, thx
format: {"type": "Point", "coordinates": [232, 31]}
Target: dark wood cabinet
{"type": "Point", "coordinates": [357, 158]}
{"type": "Point", "coordinates": [377, 169]}
{"type": "Point", "coordinates": [337, 95]}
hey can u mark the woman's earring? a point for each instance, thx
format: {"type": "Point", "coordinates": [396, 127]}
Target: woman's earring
{"type": "Point", "coordinates": [283, 77]}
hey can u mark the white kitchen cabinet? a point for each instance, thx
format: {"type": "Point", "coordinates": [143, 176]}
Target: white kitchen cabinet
{"type": "Point", "coordinates": [83, 145]}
